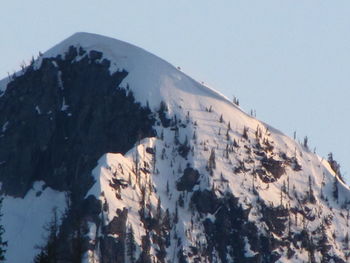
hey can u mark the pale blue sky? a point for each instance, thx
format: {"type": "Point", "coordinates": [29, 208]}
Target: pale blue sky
{"type": "Point", "coordinates": [289, 60]}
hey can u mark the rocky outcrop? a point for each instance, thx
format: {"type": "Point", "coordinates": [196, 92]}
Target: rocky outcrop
{"type": "Point", "coordinates": [188, 180]}
{"type": "Point", "coordinates": [59, 119]}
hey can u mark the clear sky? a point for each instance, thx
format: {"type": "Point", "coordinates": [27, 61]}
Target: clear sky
{"type": "Point", "coordinates": [289, 60]}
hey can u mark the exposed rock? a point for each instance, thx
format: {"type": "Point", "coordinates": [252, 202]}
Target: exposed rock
{"type": "Point", "coordinates": [273, 166]}
{"type": "Point", "coordinates": [72, 112]}
{"type": "Point", "coordinates": [188, 180]}
{"type": "Point", "coordinates": [112, 250]}
{"type": "Point", "coordinates": [118, 224]}
{"type": "Point", "coordinates": [275, 218]}
{"type": "Point", "coordinates": [205, 201]}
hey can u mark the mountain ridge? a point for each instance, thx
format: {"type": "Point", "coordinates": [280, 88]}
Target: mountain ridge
{"type": "Point", "coordinates": [157, 167]}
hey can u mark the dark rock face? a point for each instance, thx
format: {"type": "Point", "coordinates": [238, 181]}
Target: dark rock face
{"type": "Point", "coordinates": [274, 167]}
{"type": "Point", "coordinates": [188, 180]}
{"type": "Point", "coordinates": [113, 249]}
{"type": "Point", "coordinates": [205, 201]}
{"type": "Point", "coordinates": [231, 229]}
{"type": "Point", "coordinates": [118, 224]}
{"type": "Point", "coordinates": [55, 123]}
{"type": "Point", "coordinates": [275, 218]}
{"type": "Point", "coordinates": [110, 248]}
{"type": "Point", "coordinates": [91, 207]}
{"type": "Point", "coordinates": [162, 113]}
{"type": "Point", "coordinates": [273, 170]}
{"type": "Point", "coordinates": [226, 234]}
{"type": "Point", "coordinates": [58, 120]}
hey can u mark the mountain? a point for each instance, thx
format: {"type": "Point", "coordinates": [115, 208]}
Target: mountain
{"type": "Point", "coordinates": [110, 154]}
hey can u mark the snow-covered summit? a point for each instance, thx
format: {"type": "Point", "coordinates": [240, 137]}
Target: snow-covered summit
{"type": "Point", "coordinates": [191, 178]}
{"type": "Point", "coordinates": [152, 77]}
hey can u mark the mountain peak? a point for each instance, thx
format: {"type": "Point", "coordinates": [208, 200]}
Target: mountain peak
{"type": "Point", "coordinates": [133, 142]}
{"type": "Point", "coordinates": [151, 78]}
{"type": "Point", "coordinates": [98, 42]}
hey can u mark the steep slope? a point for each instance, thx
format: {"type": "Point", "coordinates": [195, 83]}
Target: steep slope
{"type": "Point", "coordinates": [184, 176]}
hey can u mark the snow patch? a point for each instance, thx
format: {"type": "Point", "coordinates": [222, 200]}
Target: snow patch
{"type": "Point", "coordinates": [248, 252]}
{"type": "Point", "coordinates": [37, 109]}
{"type": "Point", "coordinates": [4, 127]}
{"type": "Point", "coordinates": [64, 105]}
{"type": "Point", "coordinates": [24, 220]}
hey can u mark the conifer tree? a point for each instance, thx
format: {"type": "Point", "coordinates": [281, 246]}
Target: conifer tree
{"type": "Point", "coordinates": [176, 215]}
{"type": "Point", "coordinates": [194, 137]}
{"type": "Point", "coordinates": [227, 135]}
{"type": "Point", "coordinates": [221, 119]}
{"type": "Point", "coordinates": [335, 167]}
{"type": "Point", "coordinates": [176, 136]}
{"type": "Point", "coordinates": [130, 245]}
{"type": "Point", "coordinates": [323, 242]}
{"type": "Point", "coordinates": [166, 220]}
{"type": "Point", "coordinates": [346, 241]}
{"type": "Point", "coordinates": [245, 132]}
{"type": "Point", "coordinates": [159, 209]}
{"type": "Point", "coordinates": [3, 244]}
{"type": "Point", "coordinates": [49, 253]}
{"type": "Point", "coordinates": [305, 143]}
{"type": "Point", "coordinates": [211, 162]}
{"type": "Point", "coordinates": [311, 196]}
